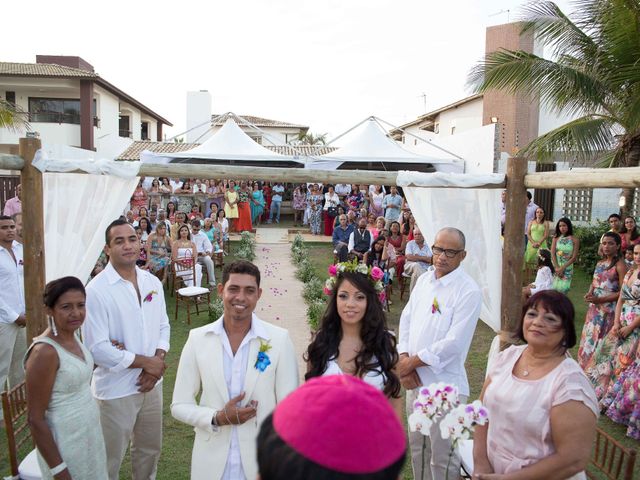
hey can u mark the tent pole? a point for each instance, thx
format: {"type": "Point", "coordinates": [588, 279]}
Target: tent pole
{"type": "Point", "coordinates": [33, 237]}
{"type": "Point", "coordinates": [513, 250]}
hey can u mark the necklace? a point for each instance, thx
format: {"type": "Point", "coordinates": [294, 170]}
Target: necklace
{"type": "Point", "coordinates": [527, 368]}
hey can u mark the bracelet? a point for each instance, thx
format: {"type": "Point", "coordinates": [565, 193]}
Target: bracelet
{"type": "Point", "coordinates": [227, 416]}
{"type": "Point", "coordinates": [56, 470]}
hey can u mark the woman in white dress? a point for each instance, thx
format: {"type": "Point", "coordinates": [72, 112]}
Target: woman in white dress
{"type": "Point", "coordinates": [353, 337]}
{"type": "Point", "coordinates": [63, 415]}
{"type": "Point", "coordinates": [183, 254]}
{"type": "Point", "coordinates": [544, 275]}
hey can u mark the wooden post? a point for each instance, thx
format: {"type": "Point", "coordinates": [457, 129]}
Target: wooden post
{"type": "Point", "coordinates": [513, 250]}
{"type": "Point", "coordinates": [33, 235]}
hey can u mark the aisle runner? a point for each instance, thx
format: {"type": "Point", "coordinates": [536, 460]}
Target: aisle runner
{"type": "Point", "coordinates": [282, 303]}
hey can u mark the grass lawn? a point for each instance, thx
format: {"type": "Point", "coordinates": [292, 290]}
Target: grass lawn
{"type": "Point", "coordinates": [178, 438]}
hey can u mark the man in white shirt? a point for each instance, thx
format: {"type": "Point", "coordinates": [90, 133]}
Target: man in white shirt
{"type": "Point", "coordinates": [204, 249]}
{"type": "Point", "coordinates": [199, 187]}
{"type": "Point", "coordinates": [436, 328]}
{"type": "Point", "coordinates": [418, 257]}
{"type": "Point", "coordinates": [126, 305]}
{"type": "Point", "coordinates": [342, 189]}
{"type": "Point", "coordinates": [240, 367]}
{"type": "Point", "coordinates": [277, 191]}
{"type": "Point", "coordinates": [360, 240]}
{"type": "Point", "coordinates": [13, 339]}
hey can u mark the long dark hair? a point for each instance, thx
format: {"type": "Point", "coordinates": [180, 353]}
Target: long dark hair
{"type": "Point", "coordinates": [373, 254]}
{"type": "Point", "coordinates": [148, 229]}
{"type": "Point", "coordinates": [377, 341]}
{"type": "Point", "coordinates": [567, 222]}
{"type": "Point", "coordinates": [618, 240]}
{"type": "Point", "coordinates": [544, 259]}
{"type": "Point", "coordinates": [634, 233]}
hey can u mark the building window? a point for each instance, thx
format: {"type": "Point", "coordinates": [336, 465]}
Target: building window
{"type": "Point", "coordinates": [54, 110]}
{"type": "Point", "coordinates": [10, 97]}
{"type": "Point", "coordinates": [288, 137]}
{"type": "Point", "coordinates": [577, 204]}
{"type": "Point", "coordinates": [144, 131]}
{"type": "Point", "coordinates": [256, 138]}
{"type": "Point", "coordinates": [123, 127]}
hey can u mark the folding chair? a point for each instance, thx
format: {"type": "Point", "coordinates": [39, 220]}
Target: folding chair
{"type": "Point", "coordinates": [182, 275]}
{"type": "Point", "coordinates": [14, 406]}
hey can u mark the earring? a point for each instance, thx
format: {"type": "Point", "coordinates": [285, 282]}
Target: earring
{"type": "Point", "coordinates": [52, 324]}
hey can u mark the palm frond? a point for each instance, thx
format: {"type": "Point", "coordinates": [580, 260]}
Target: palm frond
{"type": "Point", "coordinates": [554, 29]}
{"type": "Point", "coordinates": [560, 87]}
{"type": "Point", "coordinates": [12, 117]}
{"type": "Point", "coordinates": [583, 138]}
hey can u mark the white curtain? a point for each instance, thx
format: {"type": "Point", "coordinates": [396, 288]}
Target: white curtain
{"type": "Point", "coordinates": [477, 213]}
{"type": "Point", "coordinates": [77, 210]}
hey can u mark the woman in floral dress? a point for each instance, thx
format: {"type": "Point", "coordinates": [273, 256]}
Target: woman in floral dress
{"type": "Point", "coordinates": [623, 399]}
{"type": "Point", "coordinates": [315, 205]}
{"type": "Point", "coordinates": [158, 251]}
{"type": "Point", "coordinates": [618, 349]}
{"type": "Point", "coordinates": [564, 251]}
{"type": "Point", "coordinates": [602, 297]}
{"type": "Point", "coordinates": [139, 198]}
{"type": "Point", "coordinates": [375, 201]}
{"type": "Point", "coordinates": [298, 205]}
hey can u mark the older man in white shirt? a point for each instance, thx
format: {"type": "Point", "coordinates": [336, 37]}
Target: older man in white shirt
{"type": "Point", "coordinates": [436, 328]}
{"type": "Point", "coordinates": [126, 307]}
{"type": "Point", "coordinates": [231, 375]}
{"type": "Point", "coordinates": [418, 257]}
{"type": "Point", "coordinates": [204, 247]}
{"type": "Point", "coordinates": [13, 340]}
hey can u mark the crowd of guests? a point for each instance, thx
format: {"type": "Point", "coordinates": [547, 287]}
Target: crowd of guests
{"type": "Point", "coordinates": [237, 380]}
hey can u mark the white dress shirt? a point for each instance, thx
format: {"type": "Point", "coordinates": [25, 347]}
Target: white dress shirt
{"type": "Point", "coordinates": [235, 368]}
{"type": "Point", "coordinates": [412, 248]}
{"type": "Point", "coordinates": [114, 313]}
{"type": "Point", "coordinates": [203, 244]}
{"type": "Point", "coordinates": [441, 339]}
{"type": "Point", "coordinates": [331, 200]}
{"type": "Point", "coordinates": [12, 281]}
{"type": "Point", "coordinates": [202, 188]}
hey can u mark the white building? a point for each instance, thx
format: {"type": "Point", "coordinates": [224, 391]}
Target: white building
{"type": "Point", "coordinates": [68, 103]}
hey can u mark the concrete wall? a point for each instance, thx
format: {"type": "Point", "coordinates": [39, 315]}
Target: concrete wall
{"type": "Point", "coordinates": [460, 119]}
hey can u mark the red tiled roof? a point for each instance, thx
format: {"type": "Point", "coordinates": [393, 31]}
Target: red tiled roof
{"type": "Point", "coordinates": [260, 122]}
{"type": "Point", "coordinates": [43, 70]}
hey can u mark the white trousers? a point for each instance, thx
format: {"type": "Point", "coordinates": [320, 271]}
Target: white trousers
{"type": "Point", "coordinates": [207, 262]}
{"type": "Point", "coordinates": [13, 346]}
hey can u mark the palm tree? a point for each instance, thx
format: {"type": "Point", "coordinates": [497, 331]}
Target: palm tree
{"type": "Point", "coordinates": [13, 117]}
{"type": "Point", "coordinates": [309, 138]}
{"type": "Point", "coordinates": [594, 76]}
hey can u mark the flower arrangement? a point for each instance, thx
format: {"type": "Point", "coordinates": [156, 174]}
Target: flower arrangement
{"type": "Point", "coordinates": [263, 360]}
{"type": "Point", "coordinates": [440, 401]}
{"type": "Point", "coordinates": [374, 273]}
{"type": "Point", "coordinates": [149, 296]}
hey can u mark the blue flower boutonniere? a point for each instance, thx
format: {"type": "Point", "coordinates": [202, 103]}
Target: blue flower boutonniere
{"type": "Point", "coordinates": [263, 360]}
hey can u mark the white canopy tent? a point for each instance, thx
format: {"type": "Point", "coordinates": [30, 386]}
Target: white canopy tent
{"type": "Point", "coordinates": [229, 143]}
{"type": "Point", "coordinates": [371, 144]}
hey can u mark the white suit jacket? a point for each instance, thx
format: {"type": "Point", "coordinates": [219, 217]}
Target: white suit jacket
{"type": "Point", "coordinates": [201, 369]}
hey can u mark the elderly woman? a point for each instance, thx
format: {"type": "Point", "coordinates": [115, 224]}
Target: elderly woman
{"type": "Point", "coordinates": [543, 410]}
{"type": "Point", "coordinates": [63, 415]}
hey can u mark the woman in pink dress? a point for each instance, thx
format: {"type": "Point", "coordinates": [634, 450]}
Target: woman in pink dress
{"type": "Point", "coordinates": [629, 233]}
{"type": "Point", "coordinates": [542, 408]}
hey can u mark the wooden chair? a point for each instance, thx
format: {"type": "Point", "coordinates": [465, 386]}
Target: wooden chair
{"type": "Point", "coordinates": [14, 406]}
{"type": "Point", "coordinates": [611, 459]}
{"type": "Point", "coordinates": [183, 274]}
{"type": "Point", "coordinates": [402, 280]}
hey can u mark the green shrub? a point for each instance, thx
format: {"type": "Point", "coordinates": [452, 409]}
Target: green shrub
{"type": "Point", "coordinates": [315, 311]}
{"type": "Point", "coordinates": [246, 249]}
{"type": "Point", "coordinates": [305, 271]}
{"type": "Point", "coordinates": [313, 290]}
{"type": "Point", "coordinates": [215, 309]}
{"type": "Point", "coordinates": [298, 255]}
{"type": "Point", "coordinates": [589, 236]}
{"type": "Point", "coordinates": [298, 242]}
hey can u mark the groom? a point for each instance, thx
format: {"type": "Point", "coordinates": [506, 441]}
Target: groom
{"type": "Point", "coordinates": [243, 366]}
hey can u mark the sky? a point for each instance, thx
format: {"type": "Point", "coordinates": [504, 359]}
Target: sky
{"type": "Point", "coordinates": [325, 64]}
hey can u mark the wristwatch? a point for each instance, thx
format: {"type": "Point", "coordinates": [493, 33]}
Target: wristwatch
{"type": "Point", "coordinates": [214, 422]}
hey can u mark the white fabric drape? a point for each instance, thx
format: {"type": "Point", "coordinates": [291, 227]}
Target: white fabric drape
{"type": "Point", "coordinates": [60, 158]}
{"type": "Point", "coordinates": [477, 213]}
{"type": "Point", "coordinates": [77, 210]}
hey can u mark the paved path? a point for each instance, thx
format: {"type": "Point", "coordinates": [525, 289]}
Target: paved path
{"type": "Point", "coordinates": [281, 302]}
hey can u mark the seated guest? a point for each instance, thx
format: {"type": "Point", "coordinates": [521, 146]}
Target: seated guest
{"type": "Point", "coordinates": [183, 252]}
{"type": "Point", "coordinates": [325, 430]}
{"type": "Point", "coordinates": [418, 257]}
{"type": "Point", "coordinates": [360, 240]}
{"type": "Point", "coordinates": [341, 211]}
{"type": "Point", "coordinates": [341, 236]}
{"type": "Point", "coordinates": [381, 255]}
{"type": "Point", "coordinates": [181, 219]}
{"type": "Point", "coordinates": [399, 242]}
{"type": "Point", "coordinates": [204, 250]}
{"type": "Point", "coordinates": [153, 219]}
{"type": "Point", "coordinates": [162, 218]}
{"type": "Point", "coordinates": [543, 408]}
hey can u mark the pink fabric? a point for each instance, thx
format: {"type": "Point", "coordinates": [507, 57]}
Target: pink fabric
{"type": "Point", "coordinates": [519, 410]}
{"type": "Point", "coordinates": [12, 206]}
{"type": "Point", "coordinates": [341, 423]}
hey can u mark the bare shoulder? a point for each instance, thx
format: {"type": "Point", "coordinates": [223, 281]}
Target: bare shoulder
{"type": "Point", "coordinates": [42, 356]}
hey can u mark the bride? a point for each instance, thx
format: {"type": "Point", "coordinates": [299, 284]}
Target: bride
{"type": "Point", "coordinates": [353, 338]}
